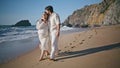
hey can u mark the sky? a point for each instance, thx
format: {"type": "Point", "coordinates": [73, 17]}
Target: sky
{"type": "Point", "coordinates": [12, 11]}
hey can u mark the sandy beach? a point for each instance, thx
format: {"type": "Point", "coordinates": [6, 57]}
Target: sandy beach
{"type": "Point", "coordinates": [96, 48]}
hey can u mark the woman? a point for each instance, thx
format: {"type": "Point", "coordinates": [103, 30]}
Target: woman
{"type": "Point", "coordinates": [42, 26]}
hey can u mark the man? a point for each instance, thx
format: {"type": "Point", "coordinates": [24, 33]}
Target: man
{"type": "Point", "coordinates": [54, 21]}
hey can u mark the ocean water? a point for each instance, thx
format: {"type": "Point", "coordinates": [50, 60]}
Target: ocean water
{"type": "Point", "coordinates": [8, 33]}
{"type": "Point", "coordinates": [15, 41]}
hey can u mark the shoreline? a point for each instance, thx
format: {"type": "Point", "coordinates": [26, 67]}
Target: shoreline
{"type": "Point", "coordinates": [80, 47]}
{"type": "Point", "coordinates": [10, 50]}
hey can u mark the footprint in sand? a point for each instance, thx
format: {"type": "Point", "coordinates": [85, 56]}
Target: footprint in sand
{"type": "Point", "coordinates": [65, 47]}
{"type": "Point", "coordinates": [81, 42]}
{"type": "Point", "coordinates": [59, 50]}
{"type": "Point", "coordinates": [68, 50]}
{"type": "Point", "coordinates": [70, 43]}
{"type": "Point", "coordinates": [73, 41]}
{"type": "Point", "coordinates": [90, 37]}
{"type": "Point", "coordinates": [73, 47]}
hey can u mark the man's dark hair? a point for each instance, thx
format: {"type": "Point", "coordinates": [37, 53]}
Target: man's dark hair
{"type": "Point", "coordinates": [49, 8]}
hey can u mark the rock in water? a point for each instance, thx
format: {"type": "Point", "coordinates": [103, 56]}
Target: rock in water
{"type": "Point", "coordinates": [23, 23]}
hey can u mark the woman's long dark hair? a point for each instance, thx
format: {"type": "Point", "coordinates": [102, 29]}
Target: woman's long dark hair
{"type": "Point", "coordinates": [46, 15]}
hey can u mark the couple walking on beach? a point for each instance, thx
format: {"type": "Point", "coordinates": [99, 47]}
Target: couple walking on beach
{"type": "Point", "coordinates": [48, 27]}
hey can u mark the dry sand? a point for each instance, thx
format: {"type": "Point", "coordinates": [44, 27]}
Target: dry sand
{"type": "Point", "coordinates": [95, 48]}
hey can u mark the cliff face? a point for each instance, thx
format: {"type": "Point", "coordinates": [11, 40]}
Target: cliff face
{"type": "Point", "coordinates": [105, 13]}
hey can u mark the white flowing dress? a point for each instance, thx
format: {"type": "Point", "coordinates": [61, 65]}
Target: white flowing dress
{"type": "Point", "coordinates": [43, 34]}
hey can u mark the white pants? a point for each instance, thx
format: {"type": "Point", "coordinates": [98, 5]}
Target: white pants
{"type": "Point", "coordinates": [54, 44]}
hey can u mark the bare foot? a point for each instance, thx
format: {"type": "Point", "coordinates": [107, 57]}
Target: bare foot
{"type": "Point", "coordinates": [40, 59]}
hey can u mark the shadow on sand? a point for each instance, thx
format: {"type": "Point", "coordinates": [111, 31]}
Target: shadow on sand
{"type": "Point", "coordinates": [66, 55]}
